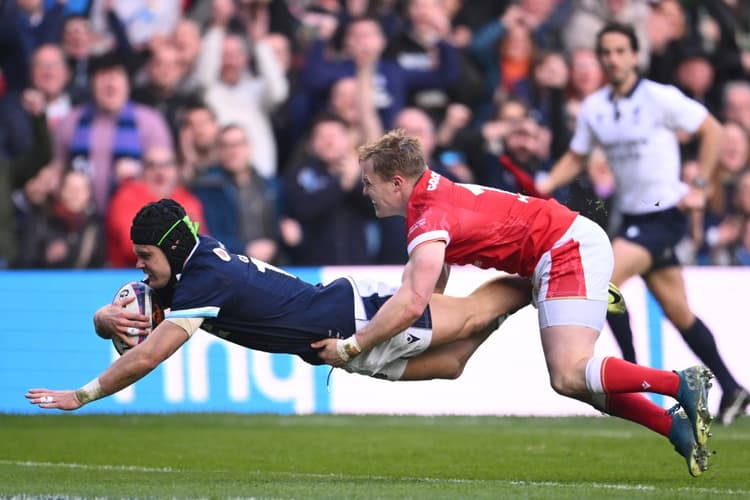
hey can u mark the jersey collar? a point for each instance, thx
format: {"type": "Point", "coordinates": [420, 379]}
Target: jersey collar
{"type": "Point", "coordinates": [611, 95]}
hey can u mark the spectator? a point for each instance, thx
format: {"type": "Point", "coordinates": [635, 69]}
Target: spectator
{"type": "Point", "coordinates": [144, 19]}
{"type": "Point", "coordinates": [363, 51]}
{"type": "Point", "coordinates": [198, 135]}
{"type": "Point", "coordinates": [49, 76]}
{"type": "Point", "coordinates": [505, 51]}
{"type": "Point", "coordinates": [161, 179]}
{"type": "Point", "coordinates": [324, 192]}
{"type": "Point", "coordinates": [417, 123]}
{"type": "Point", "coordinates": [416, 48]}
{"type": "Point", "coordinates": [587, 17]}
{"type": "Point", "coordinates": [16, 171]}
{"type": "Point", "coordinates": [163, 90]}
{"type": "Point", "coordinates": [240, 205]}
{"type": "Point", "coordinates": [32, 204]}
{"type": "Point", "coordinates": [73, 234]}
{"type": "Point", "coordinates": [695, 76]}
{"type": "Point", "coordinates": [187, 40]}
{"type": "Point", "coordinates": [721, 225]}
{"type": "Point", "coordinates": [29, 25]}
{"type": "Point", "coordinates": [736, 103]}
{"type": "Point", "coordinates": [247, 99]}
{"type": "Point", "coordinates": [94, 136]}
{"type": "Point", "coordinates": [79, 44]}
{"type": "Point", "coordinates": [522, 159]}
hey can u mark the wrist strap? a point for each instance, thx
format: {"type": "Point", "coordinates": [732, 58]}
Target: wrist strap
{"type": "Point", "coordinates": [90, 392]}
{"type": "Point", "coordinates": [348, 348]}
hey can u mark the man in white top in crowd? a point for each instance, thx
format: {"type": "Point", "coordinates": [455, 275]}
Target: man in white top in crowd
{"type": "Point", "coordinates": [636, 121]}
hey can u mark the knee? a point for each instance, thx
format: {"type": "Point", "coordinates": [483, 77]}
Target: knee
{"type": "Point", "coordinates": [567, 383]}
{"type": "Point", "coordinates": [452, 369]}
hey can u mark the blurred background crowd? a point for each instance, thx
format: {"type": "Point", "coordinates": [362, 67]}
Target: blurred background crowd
{"type": "Point", "coordinates": [249, 113]}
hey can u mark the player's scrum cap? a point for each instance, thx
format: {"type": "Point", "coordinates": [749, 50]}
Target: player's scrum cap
{"type": "Point", "coordinates": [165, 224]}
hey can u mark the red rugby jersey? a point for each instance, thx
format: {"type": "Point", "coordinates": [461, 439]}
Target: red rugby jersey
{"type": "Point", "coordinates": [483, 226]}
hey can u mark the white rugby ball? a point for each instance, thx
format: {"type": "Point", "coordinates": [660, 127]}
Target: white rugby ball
{"type": "Point", "coordinates": [146, 302]}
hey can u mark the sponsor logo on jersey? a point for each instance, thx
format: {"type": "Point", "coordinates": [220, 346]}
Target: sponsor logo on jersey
{"type": "Point", "coordinates": [222, 254]}
{"type": "Point", "coordinates": [410, 339]}
{"type": "Point", "coordinates": [432, 182]}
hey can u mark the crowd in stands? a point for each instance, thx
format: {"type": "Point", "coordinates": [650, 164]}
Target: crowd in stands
{"type": "Point", "coordinates": [250, 112]}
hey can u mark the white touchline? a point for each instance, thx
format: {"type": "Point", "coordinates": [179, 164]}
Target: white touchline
{"type": "Point", "coordinates": [337, 476]}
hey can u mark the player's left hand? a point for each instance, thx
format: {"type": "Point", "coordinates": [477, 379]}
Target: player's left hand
{"type": "Point", "coordinates": [328, 351]}
{"type": "Point", "coordinates": [49, 399]}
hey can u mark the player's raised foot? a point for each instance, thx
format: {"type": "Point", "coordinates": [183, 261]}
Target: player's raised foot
{"type": "Point", "coordinates": [681, 437]}
{"type": "Point", "coordinates": [692, 395]}
{"type": "Point", "coordinates": [733, 405]}
{"type": "Point", "coordinates": [615, 302]}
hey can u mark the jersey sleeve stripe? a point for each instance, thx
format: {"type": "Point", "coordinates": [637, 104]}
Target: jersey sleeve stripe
{"type": "Point", "coordinates": [428, 236]}
{"type": "Point", "coordinates": [198, 312]}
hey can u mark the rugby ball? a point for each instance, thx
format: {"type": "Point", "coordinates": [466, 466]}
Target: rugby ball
{"type": "Point", "coordinates": [146, 302]}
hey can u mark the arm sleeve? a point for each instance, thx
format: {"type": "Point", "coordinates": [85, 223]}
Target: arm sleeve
{"type": "Point", "coordinates": [190, 325]}
{"type": "Point", "coordinates": [681, 112]}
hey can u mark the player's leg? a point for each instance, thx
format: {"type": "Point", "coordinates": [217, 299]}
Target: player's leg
{"type": "Point", "coordinates": [439, 344]}
{"type": "Point", "coordinates": [631, 259]}
{"type": "Point", "coordinates": [668, 286]}
{"type": "Point", "coordinates": [461, 325]}
{"type": "Point", "coordinates": [446, 361]}
{"type": "Point", "coordinates": [580, 267]}
{"type": "Point", "coordinates": [456, 318]}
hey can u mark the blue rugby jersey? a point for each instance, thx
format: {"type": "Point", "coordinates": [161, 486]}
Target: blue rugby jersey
{"type": "Point", "coordinates": [256, 305]}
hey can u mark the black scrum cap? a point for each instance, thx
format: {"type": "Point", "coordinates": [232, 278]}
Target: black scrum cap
{"type": "Point", "coordinates": [164, 223]}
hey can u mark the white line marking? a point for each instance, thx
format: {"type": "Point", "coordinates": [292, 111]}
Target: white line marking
{"type": "Point", "coordinates": [343, 477]}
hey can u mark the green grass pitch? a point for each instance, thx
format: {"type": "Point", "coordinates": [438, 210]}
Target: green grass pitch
{"type": "Point", "coordinates": [352, 457]}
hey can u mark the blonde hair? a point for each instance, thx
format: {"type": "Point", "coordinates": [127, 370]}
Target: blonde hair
{"type": "Point", "coordinates": [394, 153]}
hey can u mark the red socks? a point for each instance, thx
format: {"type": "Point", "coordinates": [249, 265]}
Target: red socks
{"type": "Point", "coordinates": [620, 376]}
{"type": "Point", "coordinates": [638, 408]}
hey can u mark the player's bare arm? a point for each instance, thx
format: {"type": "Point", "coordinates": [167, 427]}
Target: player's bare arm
{"type": "Point", "coordinates": [126, 370]}
{"type": "Point", "coordinates": [421, 274]}
{"type": "Point", "coordinates": [567, 168]}
{"type": "Point", "coordinates": [113, 319]}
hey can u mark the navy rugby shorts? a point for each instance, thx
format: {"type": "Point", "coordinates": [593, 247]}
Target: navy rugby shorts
{"type": "Point", "coordinates": [657, 232]}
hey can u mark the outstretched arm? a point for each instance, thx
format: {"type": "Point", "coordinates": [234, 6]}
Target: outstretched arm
{"type": "Point", "coordinates": [129, 368]}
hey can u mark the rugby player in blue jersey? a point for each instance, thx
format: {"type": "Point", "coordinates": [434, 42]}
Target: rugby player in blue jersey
{"type": "Point", "coordinates": [258, 306]}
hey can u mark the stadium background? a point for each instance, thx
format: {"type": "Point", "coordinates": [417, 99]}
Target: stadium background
{"type": "Point", "coordinates": [48, 341]}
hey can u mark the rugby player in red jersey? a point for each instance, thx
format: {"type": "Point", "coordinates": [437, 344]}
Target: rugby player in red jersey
{"type": "Point", "coordinates": [568, 259]}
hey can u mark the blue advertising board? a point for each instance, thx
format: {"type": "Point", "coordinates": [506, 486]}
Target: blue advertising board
{"type": "Point", "coordinates": [48, 340]}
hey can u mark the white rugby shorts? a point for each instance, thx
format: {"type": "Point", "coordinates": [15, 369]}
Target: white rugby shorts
{"type": "Point", "coordinates": [571, 280]}
{"type": "Point", "coordinates": [388, 359]}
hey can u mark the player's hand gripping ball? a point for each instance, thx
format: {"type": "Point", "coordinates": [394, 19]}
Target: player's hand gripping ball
{"type": "Point", "coordinates": [146, 302]}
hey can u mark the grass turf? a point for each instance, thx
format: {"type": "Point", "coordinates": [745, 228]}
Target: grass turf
{"type": "Point", "coordinates": [340, 456]}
